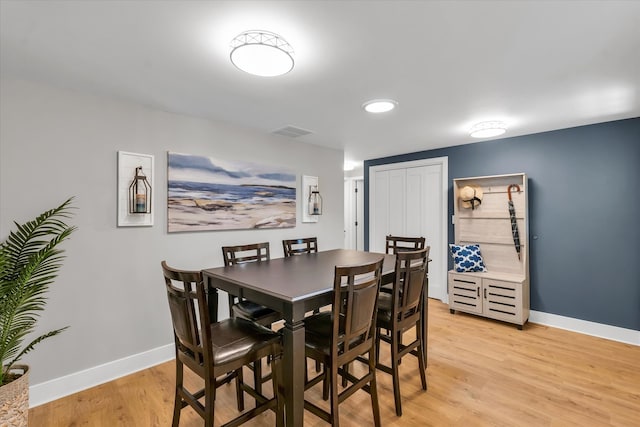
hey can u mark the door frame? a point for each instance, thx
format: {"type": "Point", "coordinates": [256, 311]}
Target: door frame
{"type": "Point", "coordinates": [441, 294]}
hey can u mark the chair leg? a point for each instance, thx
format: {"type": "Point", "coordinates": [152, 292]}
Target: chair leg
{"type": "Point", "coordinates": [177, 405]}
{"type": "Point", "coordinates": [209, 401]}
{"type": "Point", "coordinates": [276, 375]}
{"type": "Point", "coordinates": [257, 376]}
{"type": "Point", "coordinates": [344, 378]}
{"type": "Point", "coordinates": [424, 320]}
{"type": "Point", "coordinates": [325, 384]}
{"type": "Point", "coordinates": [422, 357]}
{"type": "Point", "coordinates": [377, 358]}
{"type": "Point", "coordinates": [373, 391]}
{"type": "Point", "coordinates": [335, 416]}
{"type": "Point", "coordinates": [239, 391]}
{"type": "Point", "coordinates": [399, 341]}
{"type": "Point", "coordinates": [318, 367]}
{"type": "Point", "coordinates": [395, 361]}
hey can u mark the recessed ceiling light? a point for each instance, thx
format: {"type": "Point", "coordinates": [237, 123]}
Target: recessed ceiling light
{"type": "Point", "coordinates": [488, 129]}
{"type": "Point", "coordinates": [262, 53]}
{"type": "Point", "coordinates": [379, 105]}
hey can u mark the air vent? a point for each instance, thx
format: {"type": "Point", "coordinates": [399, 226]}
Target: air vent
{"type": "Point", "coordinates": [292, 131]}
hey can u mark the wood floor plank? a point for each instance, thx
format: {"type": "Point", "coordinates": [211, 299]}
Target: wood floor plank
{"type": "Point", "coordinates": [480, 373]}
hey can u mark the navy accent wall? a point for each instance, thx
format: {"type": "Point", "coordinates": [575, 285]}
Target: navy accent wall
{"type": "Point", "coordinates": [584, 210]}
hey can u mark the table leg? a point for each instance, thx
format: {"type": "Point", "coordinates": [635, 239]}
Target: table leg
{"type": "Point", "coordinates": [294, 362]}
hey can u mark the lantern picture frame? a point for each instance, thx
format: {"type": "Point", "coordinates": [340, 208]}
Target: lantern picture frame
{"type": "Point", "coordinates": [309, 183]}
{"type": "Point", "coordinates": [135, 189]}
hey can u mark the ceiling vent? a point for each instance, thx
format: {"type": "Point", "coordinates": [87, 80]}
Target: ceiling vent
{"type": "Point", "coordinates": [292, 131]}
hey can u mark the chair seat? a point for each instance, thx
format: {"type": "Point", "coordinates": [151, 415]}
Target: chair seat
{"type": "Point", "coordinates": [318, 329]}
{"type": "Point", "coordinates": [246, 309]}
{"type": "Point", "coordinates": [385, 305]}
{"type": "Point", "coordinates": [388, 288]}
{"type": "Point", "coordinates": [235, 339]}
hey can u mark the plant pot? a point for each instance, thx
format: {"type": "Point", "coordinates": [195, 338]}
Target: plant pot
{"type": "Point", "coordinates": [14, 399]}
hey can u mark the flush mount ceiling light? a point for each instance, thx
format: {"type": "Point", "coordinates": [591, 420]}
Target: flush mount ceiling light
{"type": "Point", "coordinates": [379, 105]}
{"type": "Point", "coordinates": [261, 53]}
{"type": "Point", "coordinates": [488, 129]}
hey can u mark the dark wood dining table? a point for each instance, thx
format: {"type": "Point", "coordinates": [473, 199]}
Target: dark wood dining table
{"type": "Point", "coordinates": [293, 286]}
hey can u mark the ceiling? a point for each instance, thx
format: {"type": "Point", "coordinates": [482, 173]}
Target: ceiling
{"type": "Point", "coordinates": [537, 65]}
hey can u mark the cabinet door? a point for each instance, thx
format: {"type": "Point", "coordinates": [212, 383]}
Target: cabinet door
{"type": "Point", "coordinates": [502, 300]}
{"type": "Point", "coordinates": [464, 293]}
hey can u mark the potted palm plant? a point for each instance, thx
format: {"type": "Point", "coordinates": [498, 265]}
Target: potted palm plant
{"type": "Point", "coordinates": [29, 262]}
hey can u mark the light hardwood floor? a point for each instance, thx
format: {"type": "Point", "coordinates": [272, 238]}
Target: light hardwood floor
{"type": "Point", "coordinates": [480, 373]}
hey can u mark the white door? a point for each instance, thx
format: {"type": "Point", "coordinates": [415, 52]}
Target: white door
{"type": "Point", "coordinates": [410, 199]}
{"type": "Point", "coordinates": [354, 213]}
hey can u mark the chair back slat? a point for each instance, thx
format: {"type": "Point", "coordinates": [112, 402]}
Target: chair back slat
{"type": "Point", "coordinates": [395, 244]}
{"type": "Point", "coordinates": [300, 246]}
{"type": "Point", "coordinates": [255, 252]}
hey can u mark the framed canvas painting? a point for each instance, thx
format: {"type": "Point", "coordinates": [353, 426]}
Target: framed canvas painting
{"type": "Point", "coordinates": [205, 193]}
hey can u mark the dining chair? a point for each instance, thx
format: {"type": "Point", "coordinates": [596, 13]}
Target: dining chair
{"type": "Point", "coordinates": [255, 252]}
{"type": "Point", "coordinates": [216, 351]}
{"type": "Point", "coordinates": [345, 334]}
{"type": "Point", "coordinates": [399, 312]}
{"type": "Point", "coordinates": [243, 308]}
{"type": "Point", "coordinates": [293, 247]}
{"type": "Point", "coordinates": [395, 244]}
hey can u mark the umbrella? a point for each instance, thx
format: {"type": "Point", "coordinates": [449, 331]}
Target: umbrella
{"type": "Point", "coordinates": [512, 216]}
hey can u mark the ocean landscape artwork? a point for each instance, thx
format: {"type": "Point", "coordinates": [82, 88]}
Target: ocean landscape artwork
{"type": "Point", "coordinates": [207, 193]}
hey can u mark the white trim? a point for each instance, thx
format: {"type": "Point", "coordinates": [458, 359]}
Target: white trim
{"type": "Point", "coordinates": [615, 333]}
{"type": "Point", "coordinates": [82, 380]}
{"type": "Point", "coordinates": [444, 163]}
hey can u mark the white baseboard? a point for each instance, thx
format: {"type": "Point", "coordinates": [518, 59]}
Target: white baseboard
{"type": "Point", "coordinates": [82, 380]}
{"type": "Point", "coordinates": [78, 381]}
{"type": "Point", "coordinates": [600, 330]}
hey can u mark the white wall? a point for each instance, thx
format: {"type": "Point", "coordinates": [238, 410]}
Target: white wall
{"type": "Point", "coordinates": [56, 143]}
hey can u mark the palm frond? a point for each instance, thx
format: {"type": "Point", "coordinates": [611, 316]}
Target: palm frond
{"type": "Point", "coordinates": [29, 262]}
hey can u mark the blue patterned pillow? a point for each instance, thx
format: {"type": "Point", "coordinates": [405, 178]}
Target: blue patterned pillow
{"type": "Point", "coordinates": [467, 258]}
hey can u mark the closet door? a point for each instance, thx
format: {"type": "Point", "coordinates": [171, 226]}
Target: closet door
{"type": "Point", "coordinates": [397, 203]}
{"type": "Point", "coordinates": [411, 201]}
{"type": "Point", "coordinates": [415, 203]}
{"type": "Point", "coordinates": [379, 203]}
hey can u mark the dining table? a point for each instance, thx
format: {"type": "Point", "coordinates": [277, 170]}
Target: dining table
{"type": "Point", "coordinates": [292, 286]}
